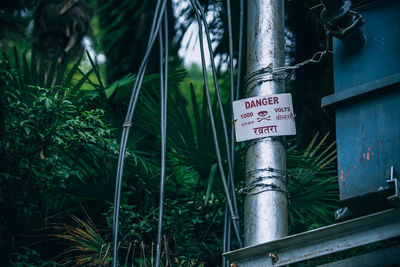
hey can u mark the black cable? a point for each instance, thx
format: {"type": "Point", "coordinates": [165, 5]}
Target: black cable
{"type": "Point", "coordinates": [227, 225]}
{"type": "Point", "coordinates": [227, 222]}
{"type": "Point", "coordinates": [163, 97]}
{"type": "Point", "coordinates": [218, 153]}
{"type": "Point", "coordinates": [228, 7]}
{"type": "Point", "coordinates": [239, 66]}
{"type": "Point", "coordinates": [226, 244]}
{"type": "Point", "coordinates": [222, 114]}
{"type": "Point", "coordinates": [127, 124]}
{"type": "Point", "coordinates": [143, 64]}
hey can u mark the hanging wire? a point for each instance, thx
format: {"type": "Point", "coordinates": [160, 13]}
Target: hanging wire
{"type": "Point", "coordinates": [227, 223]}
{"type": "Point", "coordinates": [239, 66]}
{"type": "Point", "coordinates": [218, 153]}
{"type": "Point", "coordinates": [160, 7]}
{"type": "Point", "coordinates": [226, 244]}
{"type": "Point", "coordinates": [222, 113]}
{"type": "Point", "coordinates": [163, 97]}
{"type": "Point", "coordinates": [232, 85]}
{"type": "Point", "coordinates": [279, 74]}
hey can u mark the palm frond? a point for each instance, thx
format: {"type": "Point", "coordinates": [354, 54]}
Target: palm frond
{"type": "Point", "coordinates": [312, 185]}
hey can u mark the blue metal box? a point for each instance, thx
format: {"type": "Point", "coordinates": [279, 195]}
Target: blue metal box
{"type": "Point", "coordinates": [367, 108]}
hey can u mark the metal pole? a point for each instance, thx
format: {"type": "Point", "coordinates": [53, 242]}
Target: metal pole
{"type": "Point", "coordinates": [266, 216]}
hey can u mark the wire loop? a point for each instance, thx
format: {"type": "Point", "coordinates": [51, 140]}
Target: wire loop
{"type": "Point", "coordinates": [279, 74]}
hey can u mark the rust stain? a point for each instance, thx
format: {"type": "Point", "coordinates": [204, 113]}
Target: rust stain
{"type": "Point", "coordinates": [363, 155]}
{"type": "Point", "coordinates": [368, 156]}
{"type": "Point", "coordinates": [369, 149]}
{"type": "Point", "coordinates": [341, 176]}
{"type": "Point", "coordinates": [372, 153]}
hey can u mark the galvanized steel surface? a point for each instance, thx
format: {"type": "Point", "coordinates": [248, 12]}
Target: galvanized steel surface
{"type": "Point", "coordinates": [381, 258]}
{"type": "Point", "coordinates": [322, 241]}
{"type": "Point", "coordinates": [265, 215]}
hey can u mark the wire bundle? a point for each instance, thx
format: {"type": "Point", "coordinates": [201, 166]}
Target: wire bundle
{"type": "Point", "coordinates": [158, 15]}
{"type": "Point", "coordinates": [231, 205]}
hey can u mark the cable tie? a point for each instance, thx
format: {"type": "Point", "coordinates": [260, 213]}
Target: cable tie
{"type": "Point", "coordinates": [127, 124]}
{"type": "Point", "coordinates": [235, 217]}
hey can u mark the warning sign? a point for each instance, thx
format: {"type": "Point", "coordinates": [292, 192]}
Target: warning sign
{"type": "Point", "coordinates": [264, 116]}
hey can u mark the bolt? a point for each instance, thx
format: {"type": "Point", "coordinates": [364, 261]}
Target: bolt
{"type": "Point", "coordinates": [273, 256]}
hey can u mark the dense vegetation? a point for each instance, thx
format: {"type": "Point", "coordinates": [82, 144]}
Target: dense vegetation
{"type": "Point", "coordinates": [59, 133]}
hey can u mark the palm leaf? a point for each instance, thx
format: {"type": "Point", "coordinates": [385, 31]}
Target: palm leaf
{"type": "Point", "coordinates": [312, 185]}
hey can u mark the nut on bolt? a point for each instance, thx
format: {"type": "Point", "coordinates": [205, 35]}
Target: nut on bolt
{"type": "Point", "coordinates": [273, 256]}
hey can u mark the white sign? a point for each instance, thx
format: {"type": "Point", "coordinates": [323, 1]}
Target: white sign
{"type": "Point", "coordinates": [262, 116]}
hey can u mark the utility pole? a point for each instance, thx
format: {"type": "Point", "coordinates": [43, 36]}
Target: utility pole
{"type": "Point", "coordinates": [265, 215]}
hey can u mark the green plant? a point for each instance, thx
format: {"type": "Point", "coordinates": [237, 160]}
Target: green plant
{"type": "Point", "coordinates": [26, 257]}
{"type": "Point", "coordinates": [39, 127]}
{"type": "Point", "coordinates": [87, 245]}
{"type": "Point", "coordinates": [57, 149]}
{"type": "Point", "coordinates": [312, 184]}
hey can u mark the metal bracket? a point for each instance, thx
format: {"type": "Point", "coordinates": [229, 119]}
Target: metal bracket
{"type": "Point", "coordinates": [341, 21]}
{"type": "Point", "coordinates": [319, 242]}
{"type": "Point", "coordinates": [394, 184]}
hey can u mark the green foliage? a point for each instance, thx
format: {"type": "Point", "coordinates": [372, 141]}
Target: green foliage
{"type": "Point", "coordinates": [28, 257]}
{"type": "Point", "coordinates": [86, 243]}
{"type": "Point", "coordinates": [191, 232]}
{"type": "Point", "coordinates": [312, 185]}
{"type": "Point", "coordinates": [60, 154]}
{"type": "Point", "coordinates": [39, 128]}
{"type": "Point", "coordinates": [59, 149]}
{"type": "Point", "coordinates": [125, 26]}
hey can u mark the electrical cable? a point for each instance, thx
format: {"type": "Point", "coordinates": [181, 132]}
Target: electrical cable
{"type": "Point", "coordinates": [160, 7]}
{"type": "Point", "coordinates": [232, 93]}
{"type": "Point", "coordinates": [218, 153]}
{"type": "Point", "coordinates": [226, 244]}
{"type": "Point", "coordinates": [239, 66]}
{"type": "Point", "coordinates": [222, 113]}
{"type": "Point", "coordinates": [227, 222]}
{"type": "Point", "coordinates": [163, 97]}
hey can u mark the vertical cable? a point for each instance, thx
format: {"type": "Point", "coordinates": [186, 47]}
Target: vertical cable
{"type": "Point", "coordinates": [239, 66]}
{"type": "Point", "coordinates": [163, 97]}
{"type": "Point", "coordinates": [127, 124]}
{"type": "Point", "coordinates": [227, 223]}
{"type": "Point", "coordinates": [226, 244]}
{"type": "Point", "coordinates": [217, 150]}
{"type": "Point", "coordinates": [222, 113]}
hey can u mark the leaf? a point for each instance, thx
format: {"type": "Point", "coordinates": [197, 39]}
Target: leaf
{"type": "Point", "coordinates": [70, 75]}
{"type": "Point", "coordinates": [47, 103]}
{"type": "Point", "coordinates": [210, 182]}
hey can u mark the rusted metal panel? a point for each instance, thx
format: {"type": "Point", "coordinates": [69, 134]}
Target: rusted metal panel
{"type": "Point", "coordinates": [368, 140]}
{"type": "Point", "coordinates": [367, 108]}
